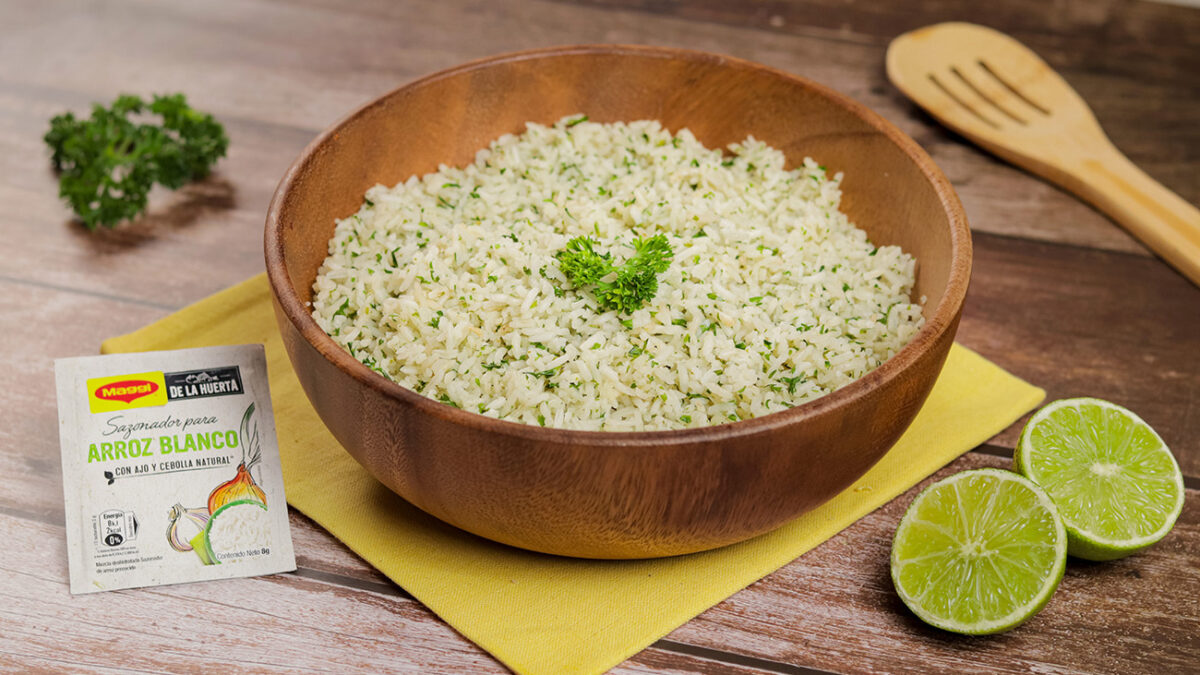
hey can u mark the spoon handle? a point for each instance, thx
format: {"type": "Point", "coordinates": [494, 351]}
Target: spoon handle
{"type": "Point", "coordinates": [1154, 214]}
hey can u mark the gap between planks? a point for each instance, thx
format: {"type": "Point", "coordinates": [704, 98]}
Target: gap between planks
{"type": "Point", "coordinates": [78, 101]}
{"type": "Point", "coordinates": [1189, 482]}
{"type": "Point", "coordinates": [33, 283]}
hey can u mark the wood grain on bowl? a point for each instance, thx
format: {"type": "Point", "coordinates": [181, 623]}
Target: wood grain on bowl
{"type": "Point", "coordinates": [616, 494]}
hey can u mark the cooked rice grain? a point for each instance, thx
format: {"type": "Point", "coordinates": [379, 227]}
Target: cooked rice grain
{"type": "Point", "coordinates": [447, 283]}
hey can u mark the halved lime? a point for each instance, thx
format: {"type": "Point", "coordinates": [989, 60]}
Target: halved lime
{"type": "Point", "coordinates": [979, 552]}
{"type": "Point", "coordinates": [1115, 483]}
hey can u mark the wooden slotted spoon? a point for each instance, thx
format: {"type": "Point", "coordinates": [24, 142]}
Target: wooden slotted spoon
{"type": "Point", "coordinates": [995, 91]}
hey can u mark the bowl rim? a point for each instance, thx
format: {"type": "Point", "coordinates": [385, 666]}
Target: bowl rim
{"type": "Point", "coordinates": [944, 317]}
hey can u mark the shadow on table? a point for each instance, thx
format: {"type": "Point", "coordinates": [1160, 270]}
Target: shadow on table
{"type": "Point", "coordinates": [169, 210]}
{"type": "Point", "coordinates": [914, 626]}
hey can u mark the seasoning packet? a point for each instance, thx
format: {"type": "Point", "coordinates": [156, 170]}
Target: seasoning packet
{"type": "Point", "coordinates": [171, 468]}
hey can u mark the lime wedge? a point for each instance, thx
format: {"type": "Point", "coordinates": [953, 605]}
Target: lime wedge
{"type": "Point", "coordinates": [200, 546]}
{"type": "Point", "coordinates": [979, 552]}
{"type": "Point", "coordinates": [1115, 483]}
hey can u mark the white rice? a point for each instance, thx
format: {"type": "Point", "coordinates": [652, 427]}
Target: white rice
{"type": "Point", "coordinates": [240, 531]}
{"type": "Point", "coordinates": [448, 284]}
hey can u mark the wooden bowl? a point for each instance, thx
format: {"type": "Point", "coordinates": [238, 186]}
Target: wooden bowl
{"type": "Point", "coordinates": [616, 494]}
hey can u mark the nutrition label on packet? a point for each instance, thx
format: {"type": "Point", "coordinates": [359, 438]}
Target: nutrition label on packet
{"type": "Point", "coordinates": [171, 468]}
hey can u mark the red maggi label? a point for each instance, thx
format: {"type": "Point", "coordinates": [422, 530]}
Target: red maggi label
{"type": "Point", "coordinates": [121, 392]}
{"type": "Point", "coordinates": [126, 390]}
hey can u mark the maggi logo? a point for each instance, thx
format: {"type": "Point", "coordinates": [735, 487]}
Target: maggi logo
{"type": "Point", "coordinates": [126, 390]}
{"type": "Point", "coordinates": [121, 392]}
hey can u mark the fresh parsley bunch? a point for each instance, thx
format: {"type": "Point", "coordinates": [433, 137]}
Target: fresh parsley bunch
{"type": "Point", "coordinates": [108, 162]}
{"type": "Point", "coordinates": [623, 288]}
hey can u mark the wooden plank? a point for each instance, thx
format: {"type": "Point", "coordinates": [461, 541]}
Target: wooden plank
{"type": "Point", "coordinates": [1091, 323]}
{"type": "Point", "coordinates": [37, 325]}
{"type": "Point", "coordinates": [320, 555]}
{"type": "Point", "coordinates": [998, 198]}
{"type": "Point", "coordinates": [1130, 60]}
{"type": "Point", "coordinates": [831, 608]}
{"type": "Point", "coordinates": [193, 242]}
{"type": "Point", "coordinates": [661, 660]}
{"type": "Point", "coordinates": [835, 608]}
{"type": "Point", "coordinates": [1098, 35]}
{"type": "Point", "coordinates": [248, 63]}
{"type": "Point", "coordinates": [279, 623]}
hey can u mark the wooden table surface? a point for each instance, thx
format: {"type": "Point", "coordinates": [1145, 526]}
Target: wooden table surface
{"type": "Point", "coordinates": [1060, 296]}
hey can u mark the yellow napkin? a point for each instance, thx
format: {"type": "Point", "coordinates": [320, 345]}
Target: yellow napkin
{"type": "Point", "coordinates": [540, 613]}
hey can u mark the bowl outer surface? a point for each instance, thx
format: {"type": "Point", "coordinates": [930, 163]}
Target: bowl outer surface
{"type": "Point", "coordinates": [616, 494]}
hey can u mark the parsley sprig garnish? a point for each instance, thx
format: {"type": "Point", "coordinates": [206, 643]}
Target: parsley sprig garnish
{"type": "Point", "coordinates": [623, 288]}
{"type": "Point", "coordinates": [107, 163]}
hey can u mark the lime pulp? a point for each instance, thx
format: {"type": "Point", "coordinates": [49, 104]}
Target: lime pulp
{"type": "Point", "coordinates": [979, 552]}
{"type": "Point", "coordinates": [1113, 479]}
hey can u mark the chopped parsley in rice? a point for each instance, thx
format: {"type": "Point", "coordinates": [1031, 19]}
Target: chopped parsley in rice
{"type": "Point", "coordinates": [449, 283]}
